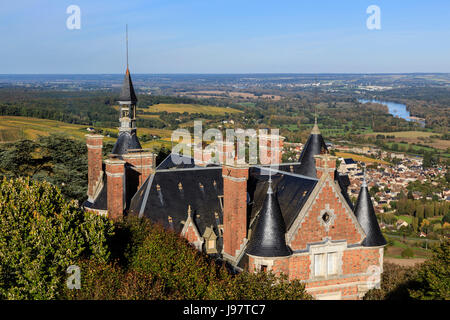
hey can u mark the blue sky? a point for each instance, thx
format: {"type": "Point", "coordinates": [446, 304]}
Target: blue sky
{"type": "Point", "coordinates": [225, 36]}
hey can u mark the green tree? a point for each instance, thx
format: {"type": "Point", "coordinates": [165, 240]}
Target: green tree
{"type": "Point", "coordinates": [434, 276]}
{"type": "Point", "coordinates": [415, 224]}
{"type": "Point", "coordinates": [154, 263]}
{"type": "Point", "coordinates": [41, 234]}
{"type": "Point", "coordinates": [420, 212]}
{"type": "Point", "coordinates": [395, 282]}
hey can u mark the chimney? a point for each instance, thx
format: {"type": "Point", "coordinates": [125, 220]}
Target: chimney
{"type": "Point", "coordinates": [234, 209]}
{"type": "Point", "coordinates": [325, 164]}
{"type": "Point", "coordinates": [115, 172]}
{"type": "Point", "coordinates": [141, 161]}
{"type": "Point", "coordinates": [94, 144]}
{"type": "Point", "coordinates": [270, 148]}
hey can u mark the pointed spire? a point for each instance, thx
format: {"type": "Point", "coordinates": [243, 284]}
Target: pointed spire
{"type": "Point", "coordinates": [364, 184]}
{"type": "Point", "coordinates": [315, 145]}
{"type": "Point", "coordinates": [315, 129]}
{"type": "Point", "coordinates": [268, 236]}
{"type": "Point", "coordinates": [127, 94]}
{"type": "Point", "coordinates": [365, 214]}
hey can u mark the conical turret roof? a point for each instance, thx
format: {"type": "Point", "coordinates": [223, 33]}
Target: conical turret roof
{"type": "Point", "coordinates": [127, 94]}
{"type": "Point", "coordinates": [314, 145]}
{"type": "Point", "coordinates": [365, 214]}
{"type": "Point", "coordinates": [268, 238]}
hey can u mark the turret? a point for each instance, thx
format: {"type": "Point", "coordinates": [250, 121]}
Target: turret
{"type": "Point", "coordinates": [365, 213]}
{"type": "Point", "coordinates": [268, 237]}
{"type": "Point", "coordinates": [127, 139]}
{"type": "Point", "coordinates": [315, 145]}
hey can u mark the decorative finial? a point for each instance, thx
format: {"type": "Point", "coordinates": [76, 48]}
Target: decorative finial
{"type": "Point", "coordinates": [315, 129]}
{"type": "Point", "coordinates": [269, 190]}
{"type": "Point", "coordinates": [127, 43]}
{"type": "Point", "coordinates": [189, 210]}
{"type": "Point", "coordinates": [364, 184]}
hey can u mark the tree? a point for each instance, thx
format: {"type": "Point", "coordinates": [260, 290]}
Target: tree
{"type": "Point", "coordinates": [155, 263]}
{"type": "Point", "coordinates": [41, 234]}
{"type": "Point", "coordinates": [427, 160]}
{"type": "Point", "coordinates": [407, 253]}
{"type": "Point", "coordinates": [415, 224]}
{"type": "Point", "coordinates": [420, 212]}
{"type": "Point", "coordinates": [395, 281]}
{"type": "Point", "coordinates": [434, 276]}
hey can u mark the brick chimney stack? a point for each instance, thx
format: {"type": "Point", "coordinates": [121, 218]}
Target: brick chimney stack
{"type": "Point", "coordinates": [115, 172]}
{"type": "Point", "coordinates": [94, 144]}
{"type": "Point", "coordinates": [325, 164]}
{"type": "Point", "coordinates": [234, 209]}
{"type": "Point", "coordinates": [142, 161]}
{"type": "Point", "coordinates": [270, 148]}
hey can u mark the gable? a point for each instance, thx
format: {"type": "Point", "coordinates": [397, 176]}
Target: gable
{"type": "Point", "coordinates": [310, 227]}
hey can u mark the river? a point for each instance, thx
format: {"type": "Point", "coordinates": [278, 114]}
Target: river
{"type": "Point", "coordinates": [396, 109]}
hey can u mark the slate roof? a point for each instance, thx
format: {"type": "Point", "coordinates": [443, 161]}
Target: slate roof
{"type": "Point", "coordinates": [344, 183]}
{"type": "Point", "coordinates": [268, 237]}
{"type": "Point", "coordinates": [170, 192]}
{"type": "Point", "coordinates": [292, 191]}
{"type": "Point", "coordinates": [314, 145]}
{"type": "Point", "coordinates": [349, 161]}
{"type": "Point", "coordinates": [365, 213]}
{"type": "Point", "coordinates": [127, 94]}
{"type": "Point", "coordinates": [101, 202]}
{"type": "Point", "coordinates": [125, 141]}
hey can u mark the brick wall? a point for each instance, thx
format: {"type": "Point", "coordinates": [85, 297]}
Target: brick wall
{"type": "Point", "coordinates": [313, 230]}
{"type": "Point", "coordinates": [234, 207]}
{"type": "Point", "coordinates": [359, 260]}
{"type": "Point", "coordinates": [142, 162]}
{"type": "Point", "coordinates": [115, 172]}
{"type": "Point", "coordinates": [94, 144]}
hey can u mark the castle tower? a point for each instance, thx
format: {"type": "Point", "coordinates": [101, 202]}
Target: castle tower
{"type": "Point", "coordinates": [268, 238]}
{"type": "Point", "coordinates": [315, 145]}
{"type": "Point", "coordinates": [365, 213]}
{"type": "Point", "coordinates": [127, 139]}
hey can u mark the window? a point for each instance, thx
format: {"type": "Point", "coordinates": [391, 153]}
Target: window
{"type": "Point", "coordinates": [319, 265]}
{"type": "Point", "coordinates": [263, 268]}
{"type": "Point", "coordinates": [211, 244]}
{"type": "Point", "coordinates": [325, 264]}
{"type": "Point", "coordinates": [332, 263]}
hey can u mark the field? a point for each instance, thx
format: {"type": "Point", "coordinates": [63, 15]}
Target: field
{"type": "Point", "coordinates": [407, 134]}
{"type": "Point", "coordinates": [189, 108]}
{"type": "Point", "coordinates": [360, 158]}
{"type": "Point", "coordinates": [16, 128]}
{"type": "Point", "coordinates": [418, 137]}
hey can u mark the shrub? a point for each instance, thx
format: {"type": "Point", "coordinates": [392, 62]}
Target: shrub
{"type": "Point", "coordinates": [41, 234]}
{"type": "Point", "coordinates": [187, 273]}
{"type": "Point", "coordinates": [434, 276]}
{"type": "Point", "coordinates": [395, 281]}
{"type": "Point", "coordinates": [408, 253]}
{"type": "Point", "coordinates": [108, 281]}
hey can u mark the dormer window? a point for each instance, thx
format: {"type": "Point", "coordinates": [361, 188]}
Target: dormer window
{"type": "Point", "coordinates": [210, 238]}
